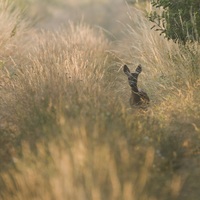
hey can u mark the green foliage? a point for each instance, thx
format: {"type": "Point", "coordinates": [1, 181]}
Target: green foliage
{"type": "Point", "coordinates": [178, 20]}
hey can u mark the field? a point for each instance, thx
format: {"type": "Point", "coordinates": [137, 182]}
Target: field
{"type": "Point", "coordinates": [67, 130]}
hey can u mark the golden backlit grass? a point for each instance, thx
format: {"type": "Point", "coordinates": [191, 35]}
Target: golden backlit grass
{"type": "Point", "coordinates": [66, 129]}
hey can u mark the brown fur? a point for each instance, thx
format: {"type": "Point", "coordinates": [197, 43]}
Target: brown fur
{"type": "Point", "coordinates": [138, 97]}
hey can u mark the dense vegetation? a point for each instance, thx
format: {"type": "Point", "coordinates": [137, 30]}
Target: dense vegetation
{"type": "Point", "coordinates": [66, 127]}
{"type": "Point", "coordinates": [178, 20]}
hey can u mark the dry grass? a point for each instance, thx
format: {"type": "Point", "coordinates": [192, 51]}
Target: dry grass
{"type": "Point", "coordinates": [67, 131]}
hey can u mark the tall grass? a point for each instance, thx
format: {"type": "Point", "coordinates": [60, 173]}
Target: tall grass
{"type": "Point", "coordinates": [167, 65]}
{"type": "Point", "coordinates": [67, 131]}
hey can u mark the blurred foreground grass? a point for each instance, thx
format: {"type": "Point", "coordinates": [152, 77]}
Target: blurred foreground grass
{"type": "Point", "coordinates": [66, 129]}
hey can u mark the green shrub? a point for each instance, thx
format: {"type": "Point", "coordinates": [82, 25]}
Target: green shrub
{"type": "Point", "coordinates": [178, 20]}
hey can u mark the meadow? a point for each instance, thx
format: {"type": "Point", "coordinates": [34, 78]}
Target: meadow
{"type": "Point", "coordinates": [67, 130]}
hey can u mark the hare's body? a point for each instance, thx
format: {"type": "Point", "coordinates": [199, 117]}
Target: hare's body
{"type": "Point", "coordinates": [138, 97]}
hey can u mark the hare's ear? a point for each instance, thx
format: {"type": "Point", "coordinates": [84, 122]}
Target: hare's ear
{"type": "Point", "coordinates": [127, 70]}
{"type": "Point", "coordinates": [138, 70]}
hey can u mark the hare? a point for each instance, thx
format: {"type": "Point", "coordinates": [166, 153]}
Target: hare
{"type": "Point", "coordinates": [138, 97]}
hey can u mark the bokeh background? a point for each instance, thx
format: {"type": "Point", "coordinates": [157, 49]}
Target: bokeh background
{"type": "Point", "coordinates": [67, 130]}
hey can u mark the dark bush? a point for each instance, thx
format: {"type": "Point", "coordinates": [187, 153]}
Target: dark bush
{"type": "Point", "coordinates": [178, 20]}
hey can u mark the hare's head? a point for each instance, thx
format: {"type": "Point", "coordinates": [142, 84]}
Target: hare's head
{"type": "Point", "coordinates": [132, 77]}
